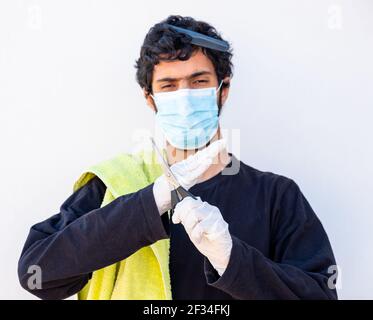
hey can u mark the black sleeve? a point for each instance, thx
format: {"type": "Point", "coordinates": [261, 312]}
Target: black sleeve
{"type": "Point", "coordinates": [301, 256]}
{"type": "Point", "coordinates": [83, 238]}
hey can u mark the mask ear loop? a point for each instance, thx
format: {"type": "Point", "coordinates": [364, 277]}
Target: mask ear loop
{"type": "Point", "coordinates": [219, 107]}
{"type": "Point", "coordinates": [155, 106]}
{"type": "Point", "coordinates": [220, 93]}
{"type": "Point", "coordinates": [221, 83]}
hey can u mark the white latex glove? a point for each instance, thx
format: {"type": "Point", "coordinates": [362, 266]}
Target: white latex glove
{"type": "Point", "coordinates": [206, 229]}
{"type": "Point", "coordinates": [188, 172]}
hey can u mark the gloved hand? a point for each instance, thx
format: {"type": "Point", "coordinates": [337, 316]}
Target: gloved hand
{"type": "Point", "coordinates": [188, 172]}
{"type": "Point", "coordinates": [206, 229]}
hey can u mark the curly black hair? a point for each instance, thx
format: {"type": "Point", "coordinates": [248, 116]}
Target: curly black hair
{"type": "Point", "coordinates": [164, 44]}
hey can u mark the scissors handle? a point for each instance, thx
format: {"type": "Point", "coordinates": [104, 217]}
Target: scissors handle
{"type": "Point", "coordinates": [179, 194]}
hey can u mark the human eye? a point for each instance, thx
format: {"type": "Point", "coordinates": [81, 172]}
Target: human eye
{"type": "Point", "coordinates": [200, 82]}
{"type": "Point", "coordinates": [167, 87]}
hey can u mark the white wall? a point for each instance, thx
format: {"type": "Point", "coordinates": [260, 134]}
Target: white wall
{"type": "Point", "coordinates": [301, 97]}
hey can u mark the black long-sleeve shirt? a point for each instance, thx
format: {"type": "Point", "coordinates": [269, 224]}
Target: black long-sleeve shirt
{"type": "Point", "coordinates": [280, 249]}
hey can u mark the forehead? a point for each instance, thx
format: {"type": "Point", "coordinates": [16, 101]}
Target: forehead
{"type": "Point", "coordinates": [180, 69]}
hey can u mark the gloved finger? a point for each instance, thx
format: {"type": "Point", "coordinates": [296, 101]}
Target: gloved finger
{"type": "Point", "coordinates": [211, 151]}
{"type": "Point", "coordinates": [206, 217]}
{"type": "Point", "coordinates": [213, 227]}
{"type": "Point", "coordinates": [211, 220]}
{"type": "Point", "coordinates": [183, 207]}
{"type": "Point", "coordinates": [190, 208]}
{"type": "Point", "coordinates": [190, 221]}
{"type": "Point", "coordinates": [181, 212]}
{"type": "Point", "coordinates": [218, 232]}
{"type": "Point", "coordinates": [195, 173]}
{"type": "Point", "coordinates": [196, 235]}
{"type": "Point", "coordinates": [196, 160]}
{"type": "Point", "coordinates": [188, 176]}
{"type": "Point", "coordinates": [201, 156]}
{"type": "Point", "coordinates": [206, 210]}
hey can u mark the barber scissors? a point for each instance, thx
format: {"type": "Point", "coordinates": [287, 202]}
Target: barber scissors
{"type": "Point", "coordinates": [179, 192]}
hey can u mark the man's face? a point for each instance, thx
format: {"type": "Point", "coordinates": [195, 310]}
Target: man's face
{"type": "Point", "coordinates": [195, 73]}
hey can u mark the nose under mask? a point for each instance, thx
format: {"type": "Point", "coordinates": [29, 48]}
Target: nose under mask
{"type": "Point", "coordinates": [188, 117]}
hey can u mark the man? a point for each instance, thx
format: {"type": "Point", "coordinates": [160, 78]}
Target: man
{"type": "Point", "coordinates": [249, 235]}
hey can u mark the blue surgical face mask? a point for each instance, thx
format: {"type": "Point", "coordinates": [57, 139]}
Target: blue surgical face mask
{"type": "Point", "coordinates": [188, 117]}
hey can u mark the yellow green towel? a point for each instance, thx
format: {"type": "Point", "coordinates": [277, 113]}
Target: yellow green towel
{"type": "Point", "coordinates": [145, 274]}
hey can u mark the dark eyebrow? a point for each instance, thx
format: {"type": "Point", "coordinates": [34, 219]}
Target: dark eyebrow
{"type": "Point", "coordinates": [193, 75]}
{"type": "Point", "coordinates": [199, 73]}
{"type": "Point", "coordinates": [167, 79]}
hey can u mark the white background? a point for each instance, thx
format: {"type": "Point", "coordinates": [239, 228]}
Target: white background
{"type": "Point", "coordinates": [301, 97]}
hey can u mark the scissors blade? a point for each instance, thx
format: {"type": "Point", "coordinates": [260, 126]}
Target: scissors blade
{"type": "Point", "coordinates": [165, 167]}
